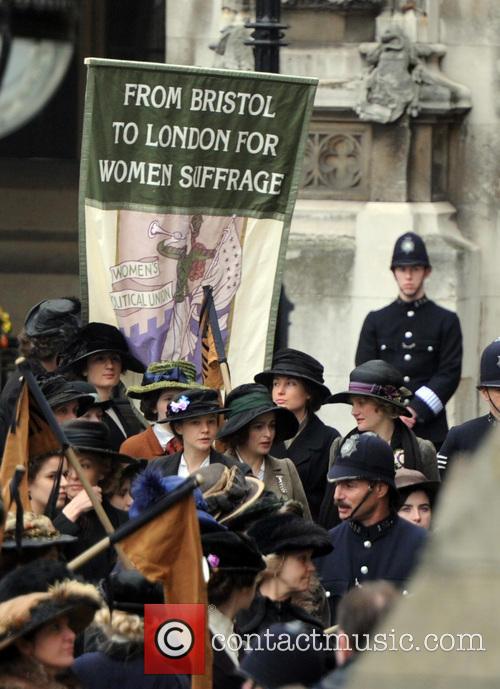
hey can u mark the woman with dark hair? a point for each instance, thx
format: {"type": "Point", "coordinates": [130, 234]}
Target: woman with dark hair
{"type": "Point", "coordinates": [253, 424]}
{"type": "Point", "coordinates": [417, 496]}
{"type": "Point", "coordinates": [235, 563]}
{"type": "Point", "coordinates": [289, 543]}
{"type": "Point", "coordinates": [161, 382]}
{"type": "Point", "coordinates": [42, 609]}
{"type": "Point", "coordinates": [100, 355]}
{"type": "Point", "coordinates": [99, 463]}
{"type": "Point", "coordinates": [43, 472]}
{"type": "Point", "coordinates": [377, 396]}
{"type": "Point", "coordinates": [296, 382]}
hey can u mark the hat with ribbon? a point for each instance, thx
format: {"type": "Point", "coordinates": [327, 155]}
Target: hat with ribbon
{"type": "Point", "coordinates": [246, 402]}
{"type": "Point", "coordinates": [59, 391]}
{"type": "Point", "coordinates": [54, 317]}
{"type": "Point", "coordinates": [409, 250]}
{"type": "Point", "coordinates": [228, 492]}
{"type": "Point", "coordinates": [376, 379]}
{"type": "Point", "coordinates": [92, 437]}
{"type": "Point", "coordinates": [364, 456]}
{"type": "Point", "coordinates": [37, 532]}
{"type": "Point", "coordinates": [191, 404]}
{"type": "Point", "coordinates": [295, 364]}
{"type": "Point", "coordinates": [229, 551]}
{"type": "Point", "coordinates": [175, 375]}
{"type": "Point", "coordinates": [94, 338]}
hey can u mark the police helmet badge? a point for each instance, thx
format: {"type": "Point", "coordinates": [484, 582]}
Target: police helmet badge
{"type": "Point", "coordinates": [349, 446]}
{"type": "Point", "coordinates": [407, 245]}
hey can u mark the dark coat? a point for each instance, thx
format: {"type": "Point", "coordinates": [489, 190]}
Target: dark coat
{"type": "Point", "coordinates": [388, 550]}
{"type": "Point", "coordinates": [169, 465]}
{"type": "Point", "coordinates": [89, 530]}
{"type": "Point", "coordinates": [424, 342]}
{"type": "Point", "coordinates": [103, 671]}
{"type": "Point", "coordinates": [265, 612]}
{"type": "Point", "coordinates": [310, 452]}
{"type": "Point", "coordinates": [130, 421]}
{"type": "Point", "coordinates": [224, 672]}
{"type": "Point", "coordinates": [464, 438]}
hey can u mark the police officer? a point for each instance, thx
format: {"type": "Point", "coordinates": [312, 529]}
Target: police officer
{"type": "Point", "coordinates": [470, 435]}
{"type": "Point", "coordinates": [372, 542]}
{"type": "Point", "coordinates": [418, 337]}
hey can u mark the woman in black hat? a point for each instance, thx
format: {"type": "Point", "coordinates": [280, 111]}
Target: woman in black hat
{"type": "Point", "coordinates": [296, 382]}
{"type": "Point", "coordinates": [118, 633]}
{"type": "Point", "coordinates": [42, 609]}
{"type": "Point", "coordinates": [235, 563]}
{"type": "Point", "coordinates": [288, 543]}
{"type": "Point", "coordinates": [192, 416]}
{"type": "Point", "coordinates": [99, 355]}
{"type": "Point", "coordinates": [99, 463]}
{"type": "Point", "coordinates": [253, 424]}
{"type": "Point", "coordinates": [377, 396]}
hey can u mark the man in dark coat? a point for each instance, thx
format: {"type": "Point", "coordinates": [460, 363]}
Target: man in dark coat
{"type": "Point", "coordinates": [372, 542]}
{"type": "Point", "coordinates": [418, 337]}
{"type": "Point", "coordinates": [470, 435]}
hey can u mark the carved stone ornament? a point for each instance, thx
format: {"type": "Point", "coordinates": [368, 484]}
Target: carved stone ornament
{"type": "Point", "coordinates": [399, 82]}
{"type": "Point", "coordinates": [332, 161]}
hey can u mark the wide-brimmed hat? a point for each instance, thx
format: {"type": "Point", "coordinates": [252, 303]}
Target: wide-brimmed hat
{"type": "Point", "coordinates": [268, 503]}
{"type": "Point", "coordinates": [296, 364]}
{"type": "Point", "coordinates": [286, 532]}
{"type": "Point", "coordinates": [166, 375]}
{"type": "Point", "coordinates": [410, 250]}
{"type": "Point", "coordinates": [128, 590]}
{"type": "Point", "coordinates": [150, 486]}
{"type": "Point", "coordinates": [228, 492]}
{"type": "Point", "coordinates": [39, 592]}
{"type": "Point", "coordinates": [377, 380]}
{"type": "Point", "coordinates": [191, 404]}
{"type": "Point", "coordinates": [364, 456]}
{"type": "Point", "coordinates": [489, 376]}
{"type": "Point", "coordinates": [92, 437]}
{"type": "Point", "coordinates": [99, 337]}
{"type": "Point", "coordinates": [58, 391]}
{"type": "Point", "coordinates": [229, 551]}
{"type": "Point", "coordinates": [410, 480]}
{"type": "Point", "coordinates": [53, 317]}
{"type": "Point", "coordinates": [37, 532]}
{"type": "Point", "coordinates": [246, 402]}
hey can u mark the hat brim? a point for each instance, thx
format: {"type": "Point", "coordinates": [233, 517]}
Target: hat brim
{"type": "Point", "coordinates": [266, 378]}
{"type": "Point", "coordinates": [431, 487]}
{"type": "Point", "coordinates": [286, 422]}
{"type": "Point", "coordinates": [256, 489]}
{"type": "Point", "coordinates": [345, 472]}
{"type": "Point", "coordinates": [410, 262]}
{"type": "Point", "coordinates": [42, 542]}
{"type": "Point", "coordinates": [488, 384]}
{"type": "Point", "coordinates": [129, 362]}
{"type": "Point", "coordinates": [110, 454]}
{"type": "Point", "coordinates": [139, 391]}
{"type": "Point", "coordinates": [346, 398]}
{"type": "Point", "coordinates": [193, 415]}
{"type": "Point", "coordinates": [84, 401]}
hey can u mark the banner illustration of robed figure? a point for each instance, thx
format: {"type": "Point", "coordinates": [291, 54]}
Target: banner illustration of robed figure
{"type": "Point", "coordinates": [189, 178]}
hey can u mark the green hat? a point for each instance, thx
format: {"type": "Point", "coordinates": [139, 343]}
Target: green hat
{"type": "Point", "coordinates": [175, 375]}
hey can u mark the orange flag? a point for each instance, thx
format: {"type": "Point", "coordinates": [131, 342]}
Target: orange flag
{"type": "Point", "coordinates": [168, 549]}
{"type": "Point", "coordinates": [29, 435]}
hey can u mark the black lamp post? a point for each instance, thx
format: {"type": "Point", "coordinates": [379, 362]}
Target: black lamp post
{"type": "Point", "coordinates": [267, 37]}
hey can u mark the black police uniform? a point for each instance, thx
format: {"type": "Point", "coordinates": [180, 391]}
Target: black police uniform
{"type": "Point", "coordinates": [387, 550]}
{"type": "Point", "coordinates": [422, 340]}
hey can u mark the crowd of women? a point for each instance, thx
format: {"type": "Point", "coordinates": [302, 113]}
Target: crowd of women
{"type": "Point", "coordinates": [264, 454]}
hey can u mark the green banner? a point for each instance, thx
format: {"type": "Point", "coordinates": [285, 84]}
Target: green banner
{"type": "Point", "coordinates": [179, 167]}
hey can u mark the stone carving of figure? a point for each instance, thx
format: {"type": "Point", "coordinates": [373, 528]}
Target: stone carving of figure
{"type": "Point", "coordinates": [230, 50]}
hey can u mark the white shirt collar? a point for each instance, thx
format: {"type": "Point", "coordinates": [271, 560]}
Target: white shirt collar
{"type": "Point", "coordinates": [220, 624]}
{"type": "Point", "coordinates": [162, 433]}
{"type": "Point", "coordinates": [183, 467]}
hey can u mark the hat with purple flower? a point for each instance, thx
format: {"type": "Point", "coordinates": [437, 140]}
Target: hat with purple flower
{"type": "Point", "coordinates": [192, 403]}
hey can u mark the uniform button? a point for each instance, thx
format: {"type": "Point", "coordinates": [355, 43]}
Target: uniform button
{"type": "Point", "coordinates": [407, 357]}
{"type": "Point", "coordinates": [364, 569]}
{"type": "Point", "coordinates": [327, 594]}
{"type": "Point", "coordinates": [406, 379]}
{"type": "Point", "coordinates": [410, 314]}
{"type": "Point", "coordinates": [430, 348]}
{"type": "Point", "coordinates": [408, 334]}
{"type": "Point", "coordinates": [382, 347]}
{"type": "Point", "coordinates": [367, 544]}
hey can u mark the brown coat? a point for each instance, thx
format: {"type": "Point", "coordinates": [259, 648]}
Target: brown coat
{"type": "Point", "coordinates": [146, 445]}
